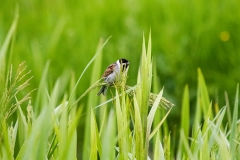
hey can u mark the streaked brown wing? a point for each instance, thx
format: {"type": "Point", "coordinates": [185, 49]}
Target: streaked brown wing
{"type": "Point", "coordinates": [109, 70]}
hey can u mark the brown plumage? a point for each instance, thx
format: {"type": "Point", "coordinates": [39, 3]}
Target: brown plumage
{"type": "Point", "coordinates": [109, 70]}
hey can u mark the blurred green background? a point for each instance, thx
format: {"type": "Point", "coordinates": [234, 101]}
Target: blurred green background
{"type": "Point", "coordinates": [186, 34]}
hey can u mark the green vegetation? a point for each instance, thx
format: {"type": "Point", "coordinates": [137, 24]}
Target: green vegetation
{"type": "Point", "coordinates": [49, 78]}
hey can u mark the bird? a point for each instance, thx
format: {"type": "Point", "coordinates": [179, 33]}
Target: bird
{"type": "Point", "coordinates": [112, 74]}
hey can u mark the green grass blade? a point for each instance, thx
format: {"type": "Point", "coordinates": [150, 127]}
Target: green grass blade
{"type": "Point", "coordinates": [233, 134]}
{"type": "Point", "coordinates": [185, 117]}
{"type": "Point", "coordinates": [159, 124]}
{"type": "Point", "coordinates": [103, 116]}
{"type": "Point", "coordinates": [63, 133]}
{"type": "Point", "coordinates": [138, 131]}
{"type": "Point", "coordinates": [160, 112]}
{"type": "Point", "coordinates": [23, 126]}
{"type": "Point", "coordinates": [92, 100]}
{"type": "Point", "coordinates": [4, 50]}
{"type": "Point", "coordinates": [144, 79]}
{"type": "Point", "coordinates": [6, 150]}
{"type": "Point", "coordinates": [203, 103]}
{"type": "Point", "coordinates": [72, 134]}
{"type": "Point", "coordinates": [35, 147]}
{"type": "Point", "coordinates": [216, 128]}
{"type": "Point", "coordinates": [185, 144]}
{"type": "Point", "coordinates": [158, 149]}
{"type": "Point", "coordinates": [109, 139]}
{"type": "Point", "coordinates": [152, 114]}
{"type": "Point", "coordinates": [223, 148]}
{"type": "Point", "coordinates": [120, 124]}
{"type": "Point", "coordinates": [41, 98]}
{"type": "Point", "coordinates": [167, 148]}
{"type": "Point", "coordinates": [229, 116]}
{"type": "Point", "coordinates": [204, 96]}
{"type": "Point", "coordinates": [93, 142]}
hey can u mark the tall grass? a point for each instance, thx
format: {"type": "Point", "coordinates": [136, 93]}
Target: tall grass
{"type": "Point", "coordinates": [198, 33]}
{"type": "Point", "coordinates": [127, 126]}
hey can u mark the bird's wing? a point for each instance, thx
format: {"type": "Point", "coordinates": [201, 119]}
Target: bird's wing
{"type": "Point", "coordinates": [109, 70]}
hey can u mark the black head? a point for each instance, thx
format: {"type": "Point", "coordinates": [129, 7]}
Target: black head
{"type": "Point", "coordinates": [124, 63]}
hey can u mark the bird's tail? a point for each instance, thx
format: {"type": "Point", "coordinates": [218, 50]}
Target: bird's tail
{"type": "Point", "coordinates": [103, 90]}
